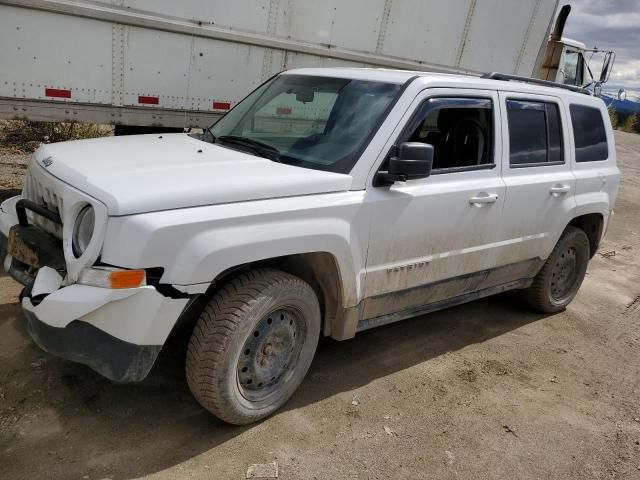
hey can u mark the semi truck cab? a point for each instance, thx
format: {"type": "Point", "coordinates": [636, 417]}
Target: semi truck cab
{"type": "Point", "coordinates": [565, 60]}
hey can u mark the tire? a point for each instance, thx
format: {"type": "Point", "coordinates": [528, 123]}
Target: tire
{"type": "Point", "coordinates": [253, 345]}
{"type": "Point", "coordinates": [559, 280]}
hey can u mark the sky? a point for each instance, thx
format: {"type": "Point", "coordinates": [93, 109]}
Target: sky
{"type": "Point", "coordinates": [610, 24]}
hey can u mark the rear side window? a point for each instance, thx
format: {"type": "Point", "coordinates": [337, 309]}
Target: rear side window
{"type": "Point", "coordinates": [589, 134]}
{"type": "Point", "coordinates": [535, 133]}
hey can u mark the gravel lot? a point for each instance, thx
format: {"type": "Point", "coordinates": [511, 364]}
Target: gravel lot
{"type": "Point", "coordinates": [484, 390]}
{"type": "Point", "coordinates": [12, 168]}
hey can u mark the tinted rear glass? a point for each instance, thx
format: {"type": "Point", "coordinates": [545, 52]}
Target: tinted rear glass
{"type": "Point", "coordinates": [589, 134]}
{"type": "Point", "coordinates": [535, 134]}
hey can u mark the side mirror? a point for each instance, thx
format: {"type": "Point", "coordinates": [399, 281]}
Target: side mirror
{"type": "Point", "coordinates": [597, 90]}
{"type": "Point", "coordinates": [622, 94]}
{"type": "Point", "coordinates": [414, 160]}
{"type": "Point", "coordinates": [607, 66]}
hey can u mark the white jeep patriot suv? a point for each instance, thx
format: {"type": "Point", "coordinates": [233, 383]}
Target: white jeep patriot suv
{"type": "Point", "coordinates": [327, 202]}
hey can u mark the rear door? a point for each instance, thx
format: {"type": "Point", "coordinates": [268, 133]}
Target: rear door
{"type": "Point", "coordinates": [540, 198]}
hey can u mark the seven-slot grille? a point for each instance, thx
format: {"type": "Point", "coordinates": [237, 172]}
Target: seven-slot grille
{"type": "Point", "coordinates": [39, 193]}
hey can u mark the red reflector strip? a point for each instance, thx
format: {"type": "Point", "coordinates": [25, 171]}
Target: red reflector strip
{"type": "Point", "coordinates": [148, 100]}
{"type": "Point", "coordinates": [221, 106]}
{"type": "Point", "coordinates": [283, 111]}
{"type": "Point", "coordinates": [57, 92]}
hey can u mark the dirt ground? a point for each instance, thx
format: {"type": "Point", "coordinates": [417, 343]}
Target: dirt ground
{"type": "Point", "coordinates": [485, 390]}
{"type": "Point", "coordinates": [12, 167]}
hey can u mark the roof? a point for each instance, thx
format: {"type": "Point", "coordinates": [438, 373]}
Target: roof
{"type": "Point", "coordinates": [373, 74]}
{"type": "Point", "coordinates": [432, 79]}
{"type": "Point", "coordinates": [573, 43]}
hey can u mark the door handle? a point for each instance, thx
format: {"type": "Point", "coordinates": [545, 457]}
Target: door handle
{"type": "Point", "coordinates": [483, 199]}
{"type": "Point", "coordinates": [556, 190]}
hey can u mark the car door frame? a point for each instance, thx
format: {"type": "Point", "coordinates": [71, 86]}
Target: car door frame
{"type": "Point", "coordinates": [539, 242]}
{"type": "Point", "coordinates": [385, 296]}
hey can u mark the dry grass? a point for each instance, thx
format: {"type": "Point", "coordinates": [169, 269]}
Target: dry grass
{"type": "Point", "coordinates": [630, 124]}
{"type": "Point", "coordinates": [613, 117]}
{"type": "Point", "coordinates": [24, 136]}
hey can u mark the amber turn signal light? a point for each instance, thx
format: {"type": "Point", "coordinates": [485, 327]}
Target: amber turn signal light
{"type": "Point", "coordinates": [127, 279]}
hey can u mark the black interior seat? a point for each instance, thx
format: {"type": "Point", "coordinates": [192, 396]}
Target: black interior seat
{"type": "Point", "coordinates": [469, 140]}
{"type": "Point", "coordinates": [443, 143]}
{"type": "Point", "coordinates": [459, 138]}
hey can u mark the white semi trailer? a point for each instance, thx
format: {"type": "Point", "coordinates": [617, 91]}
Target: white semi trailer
{"type": "Point", "coordinates": [168, 64]}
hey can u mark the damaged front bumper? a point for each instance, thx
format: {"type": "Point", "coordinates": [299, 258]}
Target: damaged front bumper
{"type": "Point", "coordinates": [116, 332]}
{"type": "Point", "coordinates": [81, 342]}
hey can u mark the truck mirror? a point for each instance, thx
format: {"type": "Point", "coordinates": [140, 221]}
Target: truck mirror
{"type": "Point", "coordinates": [607, 66]}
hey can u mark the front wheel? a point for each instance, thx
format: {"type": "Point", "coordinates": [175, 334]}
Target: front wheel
{"type": "Point", "coordinates": [558, 281]}
{"type": "Point", "coordinates": [252, 345]}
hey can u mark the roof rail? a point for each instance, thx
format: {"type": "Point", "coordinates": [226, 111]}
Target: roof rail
{"type": "Point", "coordinates": [535, 81]}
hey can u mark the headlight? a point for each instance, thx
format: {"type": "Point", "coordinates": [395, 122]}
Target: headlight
{"type": "Point", "coordinates": [83, 230]}
{"type": "Point", "coordinates": [110, 277]}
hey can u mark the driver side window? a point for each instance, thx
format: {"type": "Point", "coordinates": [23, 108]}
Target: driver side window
{"type": "Point", "coordinates": [460, 130]}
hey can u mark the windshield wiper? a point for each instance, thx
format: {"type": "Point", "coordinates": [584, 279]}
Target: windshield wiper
{"type": "Point", "coordinates": [263, 149]}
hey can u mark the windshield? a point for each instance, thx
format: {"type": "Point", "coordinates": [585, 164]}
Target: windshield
{"type": "Point", "coordinates": [313, 122]}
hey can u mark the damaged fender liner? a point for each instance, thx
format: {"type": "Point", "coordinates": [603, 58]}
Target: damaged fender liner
{"type": "Point", "coordinates": [81, 342]}
{"type": "Point", "coordinates": [3, 249]}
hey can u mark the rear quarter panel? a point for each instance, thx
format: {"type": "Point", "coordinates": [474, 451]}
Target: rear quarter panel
{"type": "Point", "coordinates": [597, 182]}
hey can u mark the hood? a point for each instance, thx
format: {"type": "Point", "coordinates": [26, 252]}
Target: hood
{"type": "Point", "coordinates": [145, 173]}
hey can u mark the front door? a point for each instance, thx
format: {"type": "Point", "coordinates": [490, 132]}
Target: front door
{"type": "Point", "coordinates": [430, 237]}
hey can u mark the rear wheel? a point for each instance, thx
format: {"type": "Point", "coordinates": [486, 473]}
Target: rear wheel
{"type": "Point", "coordinates": [558, 281]}
{"type": "Point", "coordinates": [252, 345]}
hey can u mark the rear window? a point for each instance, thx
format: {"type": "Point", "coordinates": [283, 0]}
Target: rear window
{"type": "Point", "coordinates": [589, 134]}
{"type": "Point", "coordinates": [535, 133]}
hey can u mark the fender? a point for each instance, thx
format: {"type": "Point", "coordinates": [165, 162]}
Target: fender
{"type": "Point", "coordinates": [598, 205]}
{"type": "Point", "coordinates": [199, 263]}
{"type": "Point", "coordinates": [593, 202]}
{"type": "Point", "coordinates": [206, 241]}
{"type": "Point", "coordinates": [597, 191]}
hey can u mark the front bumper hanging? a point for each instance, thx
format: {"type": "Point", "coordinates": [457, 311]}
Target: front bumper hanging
{"type": "Point", "coordinates": [117, 333]}
{"type": "Point", "coordinates": [81, 342]}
